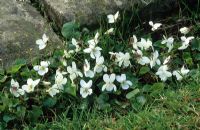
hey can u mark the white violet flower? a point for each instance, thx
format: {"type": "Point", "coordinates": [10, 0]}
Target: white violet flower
{"type": "Point", "coordinates": [95, 40]}
{"type": "Point", "coordinates": [134, 42]}
{"type": "Point", "coordinates": [93, 50]}
{"type": "Point", "coordinates": [163, 72]}
{"type": "Point", "coordinates": [169, 43]}
{"type": "Point", "coordinates": [154, 60]}
{"type": "Point", "coordinates": [184, 30]}
{"type": "Point", "coordinates": [99, 67]}
{"type": "Point", "coordinates": [154, 26]}
{"type": "Point", "coordinates": [31, 84]}
{"type": "Point", "coordinates": [87, 71]}
{"type": "Point", "coordinates": [73, 71]}
{"type": "Point", "coordinates": [76, 44]}
{"type": "Point", "coordinates": [142, 60]}
{"type": "Point", "coordinates": [125, 84]}
{"type": "Point", "coordinates": [85, 89]}
{"type": "Point", "coordinates": [42, 42]}
{"type": "Point", "coordinates": [60, 80]}
{"type": "Point", "coordinates": [185, 42]}
{"type": "Point", "coordinates": [15, 90]}
{"type": "Point", "coordinates": [123, 59]}
{"type": "Point", "coordinates": [113, 18]}
{"type": "Point", "coordinates": [109, 85]}
{"type": "Point", "coordinates": [179, 74]}
{"type": "Point", "coordinates": [166, 60]}
{"type": "Point", "coordinates": [144, 44]}
{"type": "Point", "coordinates": [53, 90]}
{"type": "Point", "coordinates": [42, 69]}
{"type": "Point", "coordinates": [109, 31]}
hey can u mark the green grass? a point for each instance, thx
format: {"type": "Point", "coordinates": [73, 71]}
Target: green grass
{"type": "Point", "coordinates": [171, 109]}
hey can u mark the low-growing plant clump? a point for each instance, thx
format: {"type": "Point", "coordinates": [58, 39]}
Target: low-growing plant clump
{"type": "Point", "coordinates": [92, 71]}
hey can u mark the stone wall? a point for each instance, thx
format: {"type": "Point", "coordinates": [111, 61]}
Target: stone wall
{"type": "Point", "coordinates": [86, 12]}
{"type": "Point", "coordinates": [20, 26]}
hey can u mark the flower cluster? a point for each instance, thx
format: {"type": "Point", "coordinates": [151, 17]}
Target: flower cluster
{"type": "Point", "coordinates": [93, 65]}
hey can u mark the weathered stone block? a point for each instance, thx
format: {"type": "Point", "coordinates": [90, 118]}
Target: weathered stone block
{"type": "Point", "coordinates": [86, 12]}
{"type": "Point", "coordinates": [20, 26]}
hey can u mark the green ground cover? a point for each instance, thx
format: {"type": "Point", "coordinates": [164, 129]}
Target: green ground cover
{"type": "Point", "coordinates": [151, 102]}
